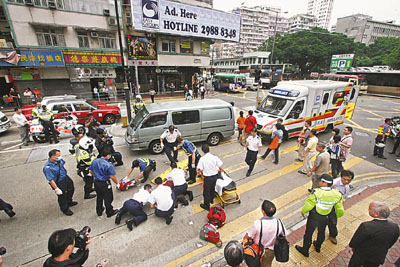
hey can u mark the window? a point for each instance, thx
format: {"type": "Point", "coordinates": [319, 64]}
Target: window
{"type": "Point", "coordinates": [18, 1]}
{"type": "Point", "coordinates": [338, 97]}
{"type": "Point", "coordinates": [296, 110]}
{"type": "Point", "coordinates": [353, 93]}
{"type": "Point", "coordinates": [155, 120]}
{"type": "Point", "coordinates": [60, 4]}
{"type": "Point", "coordinates": [185, 117]}
{"type": "Point", "coordinates": [168, 46]}
{"type": "Point", "coordinates": [40, 3]}
{"type": "Point", "coordinates": [81, 107]}
{"type": "Point", "coordinates": [325, 100]}
{"type": "Point", "coordinates": [61, 108]}
{"type": "Point", "coordinates": [216, 114]}
{"type": "Point", "coordinates": [83, 40]}
{"type": "Point", "coordinates": [186, 47]}
{"type": "Point", "coordinates": [107, 41]}
{"type": "Point", "coordinates": [50, 37]}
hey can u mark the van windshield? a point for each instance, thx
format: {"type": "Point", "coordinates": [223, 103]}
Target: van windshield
{"type": "Point", "coordinates": [275, 105]}
{"type": "Point", "coordinates": [139, 117]}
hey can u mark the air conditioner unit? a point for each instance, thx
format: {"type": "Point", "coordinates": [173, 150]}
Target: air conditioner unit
{"type": "Point", "coordinates": [52, 4]}
{"type": "Point", "coordinates": [106, 12]}
{"type": "Point", "coordinates": [94, 35]}
{"type": "Point", "coordinates": [29, 2]}
{"type": "Point", "coordinates": [112, 22]}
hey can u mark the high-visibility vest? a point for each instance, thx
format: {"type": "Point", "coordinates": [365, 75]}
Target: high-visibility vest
{"type": "Point", "coordinates": [83, 155]}
{"type": "Point", "coordinates": [45, 115]}
{"type": "Point", "coordinates": [324, 201]}
{"type": "Point", "coordinates": [138, 105]}
{"type": "Point", "coordinates": [381, 128]}
{"type": "Point", "coordinates": [144, 160]}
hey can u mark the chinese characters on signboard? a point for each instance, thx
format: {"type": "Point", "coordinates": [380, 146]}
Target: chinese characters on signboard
{"type": "Point", "coordinates": [37, 58]}
{"type": "Point", "coordinates": [142, 48]}
{"type": "Point", "coordinates": [91, 59]}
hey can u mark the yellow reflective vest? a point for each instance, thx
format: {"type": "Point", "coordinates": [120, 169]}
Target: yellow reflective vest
{"type": "Point", "coordinates": [324, 199]}
{"type": "Point", "coordinates": [83, 155]}
{"type": "Point", "coordinates": [138, 105]}
{"type": "Point", "coordinates": [381, 128]}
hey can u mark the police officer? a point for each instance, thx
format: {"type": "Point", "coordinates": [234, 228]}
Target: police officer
{"type": "Point", "coordinates": [104, 140]}
{"type": "Point", "coordinates": [380, 140]}
{"type": "Point", "coordinates": [83, 152]}
{"type": "Point", "coordinates": [162, 199]}
{"type": "Point", "coordinates": [397, 144]}
{"type": "Point", "coordinates": [168, 141]}
{"type": "Point", "coordinates": [145, 166]}
{"type": "Point", "coordinates": [177, 176]}
{"type": "Point", "coordinates": [319, 205]}
{"type": "Point", "coordinates": [135, 207]}
{"type": "Point", "coordinates": [103, 171]}
{"type": "Point", "coordinates": [193, 157]}
{"type": "Point", "coordinates": [63, 186]}
{"type": "Point", "coordinates": [209, 166]}
{"type": "Point", "coordinates": [253, 146]}
{"type": "Point", "coordinates": [46, 117]}
{"type": "Point", "coordinates": [138, 104]}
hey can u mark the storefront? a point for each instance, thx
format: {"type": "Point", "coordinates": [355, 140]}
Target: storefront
{"type": "Point", "coordinates": [179, 76]}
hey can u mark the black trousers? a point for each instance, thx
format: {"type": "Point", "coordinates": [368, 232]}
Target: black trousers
{"type": "Point", "coordinates": [87, 178]}
{"type": "Point", "coordinates": [168, 147]}
{"type": "Point", "coordinates": [315, 220]}
{"type": "Point", "coordinates": [335, 164]}
{"type": "Point", "coordinates": [4, 205]}
{"type": "Point", "coordinates": [396, 145]}
{"type": "Point", "coordinates": [147, 171]}
{"type": "Point", "coordinates": [379, 150]}
{"type": "Point", "coordinates": [152, 98]}
{"type": "Point", "coordinates": [49, 130]}
{"type": "Point", "coordinates": [180, 189]}
{"type": "Point", "coordinates": [276, 153]}
{"type": "Point", "coordinates": [192, 171]}
{"type": "Point", "coordinates": [117, 157]}
{"type": "Point", "coordinates": [357, 261]}
{"type": "Point", "coordinates": [104, 195]}
{"type": "Point", "coordinates": [66, 185]}
{"type": "Point", "coordinates": [164, 214]}
{"type": "Point", "coordinates": [209, 189]}
{"type": "Point", "coordinates": [135, 209]}
{"type": "Point", "coordinates": [251, 159]}
{"type": "Point", "coordinates": [332, 223]}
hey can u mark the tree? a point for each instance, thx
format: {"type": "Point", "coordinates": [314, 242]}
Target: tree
{"type": "Point", "coordinates": [393, 59]}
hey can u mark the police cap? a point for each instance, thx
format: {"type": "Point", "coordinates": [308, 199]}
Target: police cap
{"type": "Point", "coordinates": [326, 178]}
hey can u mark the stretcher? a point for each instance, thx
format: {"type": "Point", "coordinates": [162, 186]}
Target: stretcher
{"type": "Point", "coordinates": [181, 165]}
{"type": "Point", "coordinates": [226, 190]}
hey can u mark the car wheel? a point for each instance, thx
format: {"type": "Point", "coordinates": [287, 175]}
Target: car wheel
{"type": "Point", "coordinates": [214, 139]}
{"type": "Point", "coordinates": [109, 119]}
{"type": "Point", "coordinates": [155, 147]}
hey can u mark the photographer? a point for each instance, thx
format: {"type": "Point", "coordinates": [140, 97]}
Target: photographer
{"type": "Point", "coordinates": [92, 125]}
{"type": "Point", "coordinates": [61, 245]}
{"type": "Point", "coordinates": [104, 140]}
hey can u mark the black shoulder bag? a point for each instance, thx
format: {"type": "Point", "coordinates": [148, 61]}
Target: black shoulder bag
{"type": "Point", "coordinates": [281, 246]}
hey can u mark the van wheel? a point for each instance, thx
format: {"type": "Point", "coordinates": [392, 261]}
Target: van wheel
{"type": "Point", "coordinates": [155, 147]}
{"type": "Point", "coordinates": [214, 139]}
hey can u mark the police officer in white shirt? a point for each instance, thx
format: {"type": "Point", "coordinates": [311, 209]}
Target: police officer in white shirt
{"type": "Point", "coordinates": [253, 145]}
{"type": "Point", "coordinates": [168, 141]}
{"type": "Point", "coordinates": [177, 176]}
{"type": "Point", "coordinates": [162, 200]}
{"type": "Point", "coordinates": [22, 124]}
{"type": "Point", "coordinates": [209, 166]}
{"type": "Point", "coordinates": [135, 207]}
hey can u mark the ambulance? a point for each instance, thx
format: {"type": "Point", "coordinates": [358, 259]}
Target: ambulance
{"type": "Point", "coordinates": [325, 103]}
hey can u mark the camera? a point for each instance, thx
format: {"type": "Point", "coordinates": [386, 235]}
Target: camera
{"type": "Point", "coordinates": [81, 238]}
{"type": "Point", "coordinates": [109, 140]}
{"type": "Point", "coordinates": [2, 251]}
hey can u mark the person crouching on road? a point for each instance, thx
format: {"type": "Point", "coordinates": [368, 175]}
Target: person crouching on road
{"type": "Point", "coordinates": [253, 146]}
{"type": "Point", "coordinates": [162, 200]}
{"type": "Point", "coordinates": [103, 171]}
{"type": "Point", "coordinates": [145, 166]}
{"type": "Point", "coordinates": [135, 207]}
{"type": "Point", "coordinates": [177, 176]}
{"type": "Point", "coordinates": [193, 157]}
{"type": "Point", "coordinates": [63, 186]}
{"type": "Point", "coordinates": [277, 138]}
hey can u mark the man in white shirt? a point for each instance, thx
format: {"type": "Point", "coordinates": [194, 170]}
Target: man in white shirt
{"type": "Point", "coordinates": [162, 200]}
{"type": "Point", "coordinates": [341, 184]}
{"type": "Point", "coordinates": [22, 124]}
{"type": "Point", "coordinates": [135, 207]}
{"type": "Point", "coordinates": [168, 141]}
{"type": "Point", "coordinates": [310, 151]}
{"type": "Point", "coordinates": [209, 166]}
{"type": "Point", "coordinates": [177, 176]}
{"type": "Point", "coordinates": [253, 145]}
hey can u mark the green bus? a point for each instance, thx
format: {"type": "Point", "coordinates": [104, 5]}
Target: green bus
{"type": "Point", "coordinates": [230, 82]}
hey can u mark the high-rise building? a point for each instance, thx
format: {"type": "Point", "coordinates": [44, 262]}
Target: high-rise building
{"type": "Point", "coordinates": [301, 22]}
{"type": "Point", "coordinates": [322, 10]}
{"type": "Point", "coordinates": [366, 30]}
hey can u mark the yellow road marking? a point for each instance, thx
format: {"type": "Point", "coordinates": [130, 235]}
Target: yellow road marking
{"type": "Point", "coordinates": [356, 125]}
{"type": "Point", "coordinates": [244, 95]}
{"type": "Point", "coordinates": [371, 112]}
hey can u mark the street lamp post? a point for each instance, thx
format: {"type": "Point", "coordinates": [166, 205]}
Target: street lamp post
{"type": "Point", "coordinates": [276, 26]}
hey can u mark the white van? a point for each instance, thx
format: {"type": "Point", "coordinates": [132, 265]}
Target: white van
{"type": "Point", "coordinates": [324, 103]}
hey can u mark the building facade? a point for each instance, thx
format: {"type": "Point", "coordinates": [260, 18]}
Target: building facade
{"type": "Point", "coordinates": [322, 11]}
{"type": "Point", "coordinates": [301, 22]}
{"type": "Point", "coordinates": [366, 30]}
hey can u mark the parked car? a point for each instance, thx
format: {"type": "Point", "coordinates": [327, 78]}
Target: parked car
{"type": "Point", "coordinates": [5, 123]}
{"type": "Point", "coordinates": [80, 108]}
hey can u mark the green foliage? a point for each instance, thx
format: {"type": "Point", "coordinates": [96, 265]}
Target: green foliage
{"type": "Point", "coordinates": [393, 59]}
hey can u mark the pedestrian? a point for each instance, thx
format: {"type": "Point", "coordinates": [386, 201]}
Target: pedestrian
{"type": "Point", "coordinates": [103, 171]}
{"type": "Point", "coordinates": [196, 91]}
{"type": "Point", "coordinates": [380, 140]}
{"type": "Point", "coordinates": [38, 94]}
{"type": "Point", "coordinates": [22, 125]}
{"type": "Point", "coordinates": [168, 141]}
{"type": "Point", "coordinates": [271, 228]}
{"type": "Point", "coordinates": [341, 184]}
{"type": "Point", "coordinates": [32, 96]}
{"type": "Point", "coordinates": [285, 132]}
{"type": "Point", "coordinates": [193, 157]}
{"type": "Point", "coordinates": [162, 200]}
{"type": "Point", "coordinates": [209, 166]}
{"type": "Point", "coordinates": [253, 146]}
{"type": "Point", "coordinates": [302, 140]}
{"type": "Point", "coordinates": [145, 166]}
{"type": "Point", "coordinates": [277, 138]}
{"type": "Point", "coordinates": [188, 96]}
{"type": "Point", "coordinates": [134, 207]}
{"type": "Point", "coordinates": [8, 208]}
{"type": "Point", "coordinates": [177, 176]}
{"type": "Point", "coordinates": [202, 91]}
{"type": "Point", "coordinates": [334, 151]}
{"type": "Point", "coordinates": [59, 181]}
{"type": "Point", "coordinates": [321, 164]}
{"type": "Point", "coordinates": [207, 86]}
{"type": "Point", "coordinates": [92, 124]}
{"type": "Point", "coordinates": [240, 123]}
{"type": "Point", "coordinates": [249, 123]}
{"type": "Point", "coordinates": [309, 152]}
{"type": "Point", "coordinates": [372, 240]}
{"type": "Point", "coordinates": [345, 146]}
{"type": "Point", "coordinates": [27, 96]}
{"type": "Point", "coordinates": [16, 97]}
{"type": "Point", "coordinates": [172, 88]}
{"type": "Point", "coordinates": [318, 205]}
{"type": "Point", "coordinates": [335, 131]}
{"type": "Point", "coordinates": [105, 91]}
{"type": "Point", "coordinates": [185, 90]}
{"type": "Point", "coordinates": [152, 94]}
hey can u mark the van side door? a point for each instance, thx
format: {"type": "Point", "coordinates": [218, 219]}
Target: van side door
{"type": "Point", "coordinates": [188, 123]}
{"type": "Point", "coordinates": [294, 122]}
{"type": "Point", "coordinates": [217, 120]}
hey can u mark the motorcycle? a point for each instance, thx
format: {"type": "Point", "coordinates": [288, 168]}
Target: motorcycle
{"type": "Point", "coordinates": [66, 126]}
{"type": "Point", "coordinates": [395, 128]}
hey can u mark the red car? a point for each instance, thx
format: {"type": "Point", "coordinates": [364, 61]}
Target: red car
{"type": "Point", "coordinates": [80, 108]}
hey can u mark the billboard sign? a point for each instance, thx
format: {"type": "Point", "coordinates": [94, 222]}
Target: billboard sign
{"type": "Point", "coordinates": [142, 48]}
{"type": "Point", "coordinates": [31, 58]}
{"type": "Point", "coordinates": [181, 19]}
{"type": "Point", "coordinates": [343, 61]}
{"type": "Point", "coordinates": [91, 59]}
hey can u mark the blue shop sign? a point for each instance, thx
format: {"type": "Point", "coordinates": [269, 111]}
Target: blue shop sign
{"type": "Point", "coordinates": [37, 58]}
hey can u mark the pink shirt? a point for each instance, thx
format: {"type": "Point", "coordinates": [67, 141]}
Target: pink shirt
{"type": "Point", "coordinates": [269, 232]}
{"type": "Point", "coordinates": [347, 140]}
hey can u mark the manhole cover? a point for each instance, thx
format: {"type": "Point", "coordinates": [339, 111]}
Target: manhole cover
{"type": "Point", "coordinates": [361, 134]}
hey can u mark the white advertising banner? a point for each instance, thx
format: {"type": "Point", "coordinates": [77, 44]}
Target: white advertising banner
{"type": "Point", "coordinates": [180, 19]}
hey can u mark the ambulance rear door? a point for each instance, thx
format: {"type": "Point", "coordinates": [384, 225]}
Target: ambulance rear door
{"type": "Point", "coordinates": [351, 102]}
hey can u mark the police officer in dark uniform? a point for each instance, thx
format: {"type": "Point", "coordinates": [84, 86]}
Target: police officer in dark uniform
{"type": "Point", "coordinates": [62, 185]}
{"type": "Point", "coordinates": [104, 140]}
{"type": "Point", "coordinates": [168, 141]}
{"type": "Point", "coordinates": [145, 166]}
{"type": "Point", "coordinates": [193, 157]}
{"type": "Point", "coordinates": [46, 117]}
{"type": "Point", "coordinates": [103, 171]}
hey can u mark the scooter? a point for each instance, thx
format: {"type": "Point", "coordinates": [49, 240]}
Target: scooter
{"type": "Point", "coordinates": [395, 128]}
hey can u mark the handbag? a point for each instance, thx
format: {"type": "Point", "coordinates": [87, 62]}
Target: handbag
{"type": "Point", "coordinates": [253, 253]}
{"type": "Point", "coordinates": [281, 246]}
{"type": "Point", "coordinates": [274, 143]}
